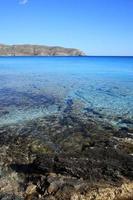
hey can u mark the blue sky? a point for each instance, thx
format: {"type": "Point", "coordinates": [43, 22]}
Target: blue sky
{"type": "Point", "coordinates": [98, 27]}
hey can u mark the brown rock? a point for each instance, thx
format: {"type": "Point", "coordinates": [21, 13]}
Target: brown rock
{"type": "Point", "coordinates": [31, 189]}
{"type": "Point", "coordinates": [52, 188]}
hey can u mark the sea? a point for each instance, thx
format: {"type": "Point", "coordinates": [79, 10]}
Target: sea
{"type": "Point", "coordinates": [88, 88]}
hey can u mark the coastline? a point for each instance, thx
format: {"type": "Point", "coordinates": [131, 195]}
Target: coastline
{"type": "Point", "coordinates": [56, 143]}
{"type": "Point", "coordinates": [38, 50]}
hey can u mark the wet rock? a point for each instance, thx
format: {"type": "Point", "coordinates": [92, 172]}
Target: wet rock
{"type": "Point", "coordinates": [52, 188]}
{"type": "Point", "coordinates": [31, 189]}
{"type": "Point", "coordinates": [37, 147]}
{"type": "Point", "coordinates": [44, 164]}
{"type": "Point", "coordinates": [31, 192]}
{"type": "Point", "coordinates": [9, 197]}
{"type": "Point", "coordinates": [63, 157]}
{"type": "Point", "coordinates": [95, 165]}
{"type": "Point", "coordinates": [65, 192]}
{"type": "Point", "coordinates": [49, 197]}
{"type": "Point", "coordinates": [126, 145]}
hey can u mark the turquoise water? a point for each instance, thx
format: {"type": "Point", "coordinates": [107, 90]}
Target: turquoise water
{"type": "Point", "coordinates": [33, 87]}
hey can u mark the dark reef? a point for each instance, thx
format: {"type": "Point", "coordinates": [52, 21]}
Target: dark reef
{"type": "Point", "coordinates": [57, 157]}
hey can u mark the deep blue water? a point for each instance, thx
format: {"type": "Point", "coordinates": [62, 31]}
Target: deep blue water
{"type": "Point", "coordinates": [32, 87]}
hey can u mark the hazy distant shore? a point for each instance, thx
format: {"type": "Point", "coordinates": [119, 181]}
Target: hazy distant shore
{"type": "Point", "coordinates": [38, 50]}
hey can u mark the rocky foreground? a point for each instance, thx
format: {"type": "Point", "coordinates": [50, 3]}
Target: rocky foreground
{"type": "Point", "coordinates": [66, 158]}
{"type": "Point", "coordinates": [37, 50]}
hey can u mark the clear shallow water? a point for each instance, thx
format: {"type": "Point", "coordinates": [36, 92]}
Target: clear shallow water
{"type": "Point", "coordinates": [33, 87]}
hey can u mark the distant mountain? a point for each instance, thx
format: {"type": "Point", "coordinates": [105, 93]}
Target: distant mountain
{"type": "Point", "coordinates": [37, 50]}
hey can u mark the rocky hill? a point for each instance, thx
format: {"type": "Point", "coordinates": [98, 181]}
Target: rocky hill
{"type": "Point", "coordinates": [37, 50]}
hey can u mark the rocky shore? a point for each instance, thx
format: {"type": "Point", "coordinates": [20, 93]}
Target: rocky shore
{"type": "Point", "coordinates": [37, 50]}
{"type": "Point", "coordinates": [57, 143]}
{"type": "Point", "coordinates": [81, 160]}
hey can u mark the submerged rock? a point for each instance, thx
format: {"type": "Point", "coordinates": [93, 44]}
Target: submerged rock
{"type": "Point", "coordinates": [65, 158]}
{"type": "Point", "coordinates": [95, 165]}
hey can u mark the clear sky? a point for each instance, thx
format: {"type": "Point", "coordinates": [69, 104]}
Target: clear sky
{"type": "Point", "coordinates": [98, 27]}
